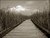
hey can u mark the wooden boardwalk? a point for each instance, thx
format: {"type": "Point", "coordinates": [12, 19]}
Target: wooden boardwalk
{"type": "Point", "coordinates": [25, 30]}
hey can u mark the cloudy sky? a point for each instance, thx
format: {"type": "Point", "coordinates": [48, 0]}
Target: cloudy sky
{"type": "Point", "coordinates": [27, 4]}
{"type": "Point", "coordinates": [33, 4]}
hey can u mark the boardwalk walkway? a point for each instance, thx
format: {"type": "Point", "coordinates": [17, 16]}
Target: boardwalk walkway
{"type": "Point", "coordinates": [25, 30]}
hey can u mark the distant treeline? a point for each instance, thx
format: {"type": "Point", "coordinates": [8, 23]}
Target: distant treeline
{"type": "Point", "coordinates": [9, 19]}
{"type": "Point", "coordinates": [41, 19]}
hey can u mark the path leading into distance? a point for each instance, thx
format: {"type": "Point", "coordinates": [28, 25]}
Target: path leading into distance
{"type": "Point", "coordinates": [25, 30]}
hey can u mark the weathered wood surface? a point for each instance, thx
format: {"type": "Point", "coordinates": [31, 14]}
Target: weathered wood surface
{"type": "Point", "coordinates": [25, 30]}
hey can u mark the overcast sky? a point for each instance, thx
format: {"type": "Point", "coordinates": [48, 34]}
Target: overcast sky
{"type": "Point", "coordinates": [27, 4]}
{"type": "Point", "coordinates": [35, 4]}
